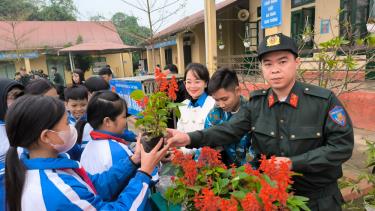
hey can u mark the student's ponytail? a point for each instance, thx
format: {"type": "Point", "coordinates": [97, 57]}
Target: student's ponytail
{"type": "Point", "coordinates": [24, 125]}
{"type": "Point", "coordinates": [14, 179]}
{"type": "Point", "coordinates": [80, 126]}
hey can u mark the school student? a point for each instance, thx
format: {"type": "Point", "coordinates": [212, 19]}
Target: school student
{"type": "Point", "coordinates": [76, 98]}
{"type": "Point", "coordinates": [41, 86]}
{"type": "Point", "coordinates": [106, 113]}
{"type": "Point", "coordinates": [45, 179]}
{"type": "Point", "coordinates": [9, 91]}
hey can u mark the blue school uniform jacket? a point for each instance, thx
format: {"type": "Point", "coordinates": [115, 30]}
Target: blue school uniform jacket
{"type": "Point", "coordinates": [103, 152]}
{"type": "Point", "coordinates": [53, 184]}
{"type": "Point", "coordinates": [4, 145]}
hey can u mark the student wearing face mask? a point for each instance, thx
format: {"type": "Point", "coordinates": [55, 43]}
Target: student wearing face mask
{"type": "Point", "coordinates": [106, 113]}
{"type": "Point", "coordinates": [9, 91]}
{"type": "Point", "coordinates": [45, 179]}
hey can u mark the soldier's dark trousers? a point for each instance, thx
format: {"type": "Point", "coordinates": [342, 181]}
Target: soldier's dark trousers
{"type": "Point", "coordinates": [326, 199]}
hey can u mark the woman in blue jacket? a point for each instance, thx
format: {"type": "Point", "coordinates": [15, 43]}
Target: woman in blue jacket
{"type": "Point", "coordinates": [45, 179]}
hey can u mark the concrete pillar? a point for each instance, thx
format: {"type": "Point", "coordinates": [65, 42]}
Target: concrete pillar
{"type": "Point", "coordinates": [210, 35]}
{"type": "Point", "coordinates": [27, 65]}
{"type": "Point", "coordinates": [150, 64]}
{"type": "Point", "coordinates": [162, 57]}
{"type": "Point", "coordinates": [180, 53]}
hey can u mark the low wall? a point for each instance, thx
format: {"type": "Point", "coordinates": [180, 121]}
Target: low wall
{"type": "Point", "coordinates": [337, 75]}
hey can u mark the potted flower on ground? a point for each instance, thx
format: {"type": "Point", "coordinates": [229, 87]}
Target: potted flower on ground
{"type": "Point", "coordinates": [157, 108]}
{"type": "Point", "coordinates": [207, 184]}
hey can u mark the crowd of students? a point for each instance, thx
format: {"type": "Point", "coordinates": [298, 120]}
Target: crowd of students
{"type": "Point", "coordinates": [77, 153]}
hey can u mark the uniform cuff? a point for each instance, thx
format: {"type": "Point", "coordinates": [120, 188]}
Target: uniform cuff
{"type": "Point", "coordinates": [145, 173]}
{"type": "Point", "coordinates": [298, 162]}
{"type": "Point", "coordinates": [195, 139]}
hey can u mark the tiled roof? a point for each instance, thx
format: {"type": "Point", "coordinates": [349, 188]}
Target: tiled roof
{"type": "Point", "coordinates": [190, 21]}
{"type": "Point", "coordinates": [54, 34]}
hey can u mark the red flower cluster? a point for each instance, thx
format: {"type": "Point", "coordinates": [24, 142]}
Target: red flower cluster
{"type": "Point", "coordinates": [166, 85]}
{"type": "Point", "coordinates": [142, 103]}
{"type": "Point", "coordinates": [189, 167]}
{"type": "Point", "coordinates": [207, 201]}
{"type": "Point", "coordinates": [210, 157]}
{"type": "Point", "coordinates": [208, 185]}
{"type": "Point", "coordinates": [250, 202]}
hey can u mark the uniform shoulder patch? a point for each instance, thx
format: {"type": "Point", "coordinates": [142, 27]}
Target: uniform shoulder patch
{"type": "Point", "coordinates": [259, 92]}
{"type": "Point", "coordinates": [316, 91]}
{"type": "Point", "coordinates": [337, 114]}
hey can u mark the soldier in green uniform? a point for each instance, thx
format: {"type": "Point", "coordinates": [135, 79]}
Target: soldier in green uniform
{"type": "Point", "coordinates": [294, 121]}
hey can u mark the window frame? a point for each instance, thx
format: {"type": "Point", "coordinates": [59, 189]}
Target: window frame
{"type": "Point", "coordinates": [303, 2]}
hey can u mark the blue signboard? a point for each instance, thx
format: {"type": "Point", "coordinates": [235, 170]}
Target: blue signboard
{"type": "Point", "coordinates": [124, 88]}
{"type": "Point", "coordinates": [271, 13]}
{"type": "Point", "coordinates": [11, 56]}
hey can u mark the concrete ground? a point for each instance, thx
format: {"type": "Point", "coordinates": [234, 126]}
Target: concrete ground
{"type": "Point", "coordinates": [357, 163]}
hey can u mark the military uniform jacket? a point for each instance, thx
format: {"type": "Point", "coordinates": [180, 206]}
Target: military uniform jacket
{"type": "Point", "coordinates": [310, 127]}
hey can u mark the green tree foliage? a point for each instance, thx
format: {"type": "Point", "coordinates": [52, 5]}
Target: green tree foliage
{"type": "Point", "coordinates": [17, 9]}
{"type": "Point", "coordinates": [127, 26]}
{"type": "Point", "coordinates": [56, 10]}
{"type": "Point", "coordinates": [38, 10]}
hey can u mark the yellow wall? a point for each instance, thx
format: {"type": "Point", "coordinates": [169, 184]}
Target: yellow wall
{"type": "Point", "coordinates": [121, 67]}
{"type": "Point", "coordinates": [326, 10]}
{"type": "Point", "coordinates": [323, 10]}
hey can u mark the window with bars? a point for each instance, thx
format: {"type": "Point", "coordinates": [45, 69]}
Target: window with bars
{"type": "Point", "coordinates": [302, 20]}
{"type": "Point", "coordinates": [353, 18]}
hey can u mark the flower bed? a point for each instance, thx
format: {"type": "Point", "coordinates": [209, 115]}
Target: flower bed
{"type": "Point", "coordinates": [207, 184]}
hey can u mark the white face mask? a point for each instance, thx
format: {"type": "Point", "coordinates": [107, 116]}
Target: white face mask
{"type": "Point", "coordinates": [69, 137]}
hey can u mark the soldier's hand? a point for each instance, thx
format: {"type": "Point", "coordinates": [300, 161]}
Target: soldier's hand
{"type": "Point", "coordinates": [177, 138]}
{"type": "Point", "coordinates": [280, 160]}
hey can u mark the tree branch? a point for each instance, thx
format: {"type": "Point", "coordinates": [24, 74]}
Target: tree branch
{"type": "Point", "coordinates": [166, 5]}
{"type": "Point", "coordinates": [135, 6]}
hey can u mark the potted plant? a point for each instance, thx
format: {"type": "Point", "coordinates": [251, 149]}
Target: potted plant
{"type": "Point", "coordinates": [207, 184]}
{"type": "Point", "coordinates": [221, 45]}
{"type": "Point", "coordinates": [370, 25]}
{"type": "Point", "coordinates": [157, 109]}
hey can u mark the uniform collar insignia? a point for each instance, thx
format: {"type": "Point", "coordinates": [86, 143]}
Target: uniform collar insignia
{"type": "Point", "coordinates": [273, 40]}
{"type": "Point", "coordinates": [271, 100]}
{"type": "Point", "coordinates": [293, 100]}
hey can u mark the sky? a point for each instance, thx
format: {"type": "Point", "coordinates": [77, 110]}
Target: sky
{"type": "Point", "coordinates": [106, 8]}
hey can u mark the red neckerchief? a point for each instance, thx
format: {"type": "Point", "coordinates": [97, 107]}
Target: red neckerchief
{"type": "Point", "coordinates": [83, 174]}
{"type": "Point", "coordinates": [95, 135]}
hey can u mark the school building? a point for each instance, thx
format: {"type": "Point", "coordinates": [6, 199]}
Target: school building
{"type": "Point", "coordinates": [41, 45]}
{"type": "Point", "coordinates": [239, 32]}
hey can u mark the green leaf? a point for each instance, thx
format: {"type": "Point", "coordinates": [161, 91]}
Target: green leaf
{"type": "Point", "coordinates": [137, 94]}
{"type": "Point", "coordinates": [239, 194]}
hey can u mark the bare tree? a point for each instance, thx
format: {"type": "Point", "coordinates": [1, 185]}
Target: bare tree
{"type": "Point", "coordinates": [156, 12]}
